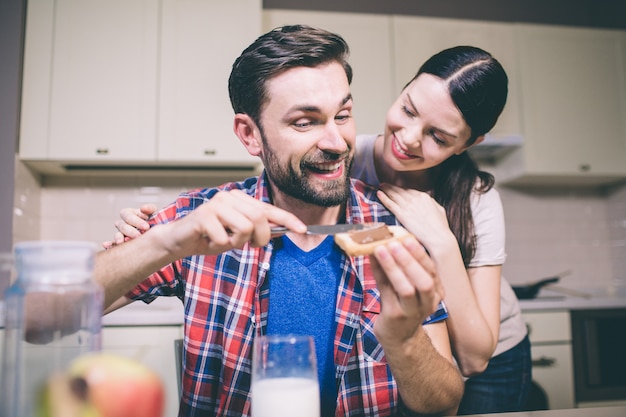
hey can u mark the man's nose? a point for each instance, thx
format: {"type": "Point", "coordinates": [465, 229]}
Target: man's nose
{"type": "Point", "coordinates": [333, 139]}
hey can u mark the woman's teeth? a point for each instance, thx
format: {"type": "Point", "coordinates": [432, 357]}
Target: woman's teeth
{"type": "Point", "coordinates": [397, 147]}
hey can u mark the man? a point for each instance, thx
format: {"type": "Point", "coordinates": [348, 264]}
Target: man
{"type": "Point", "coordinates": [212, 248]}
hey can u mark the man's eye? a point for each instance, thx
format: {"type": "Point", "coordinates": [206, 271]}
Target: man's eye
{"type": "Point", "coordinates": [343, 118]}
{"type": "Point", "coordinates": [303, 124]}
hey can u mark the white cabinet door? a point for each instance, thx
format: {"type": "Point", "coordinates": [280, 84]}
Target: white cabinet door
{"type": "Point", "coordinates": [574, 101]}
{"type": "Point", "coordinates": [418, 38]}
{"type": "Point", "coordinates": [369, 39]}
{"type": "Point", "coordinates": [551, 350]}
{"type": "Point", "coordinates": [90, 74]}
{"type": "Point", "coordinates": [36, 75]}
{"type": "Point", "coordinates": [152, 346]}
{"type": "Point", "coordinates": [200, 40]}
{"type": "Point", "coordinates": [552, 370]}
{"type": "Point", "coordinates": [549, 327]}
{"type": "Point", "coordinates": [133, 81]}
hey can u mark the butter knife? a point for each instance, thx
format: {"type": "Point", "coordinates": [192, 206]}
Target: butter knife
{"type": "Point", "coordinates": [325, 229]}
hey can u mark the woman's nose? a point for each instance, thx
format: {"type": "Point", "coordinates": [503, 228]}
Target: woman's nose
{"type": "Point", "coordinates": [412, 135]}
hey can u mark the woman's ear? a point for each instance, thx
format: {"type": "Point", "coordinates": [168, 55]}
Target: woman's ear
{"type": "Point", "coordinates": [246, 130]}
{"type": "Point", "coordinates": [476, 142]}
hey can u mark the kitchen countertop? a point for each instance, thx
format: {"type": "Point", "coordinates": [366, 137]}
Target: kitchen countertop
{"type": "Point", "coordinates": [598, 298]}
{"type": "Point", "coordinates": [168, 311]}
{"type": "Point", "coordinates": [164, 311]}
{"type": "Point", "coordinates": [573, 412]}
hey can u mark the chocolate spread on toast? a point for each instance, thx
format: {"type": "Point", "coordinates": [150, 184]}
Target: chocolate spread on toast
{"type": "Point", "coordinates": [378, 231]}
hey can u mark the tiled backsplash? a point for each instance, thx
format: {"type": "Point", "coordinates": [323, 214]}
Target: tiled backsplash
{"type": "Point", "coordinates": [548, 232]}
{"type": "Point", "coordinates": [617, 226]}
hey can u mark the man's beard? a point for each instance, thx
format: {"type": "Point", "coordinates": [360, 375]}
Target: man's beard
{"type": "Point", "coordinates": [298, 185]}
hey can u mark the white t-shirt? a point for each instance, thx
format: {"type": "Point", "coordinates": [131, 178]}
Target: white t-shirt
{"type": "Point", "coordinates": [490, 241]}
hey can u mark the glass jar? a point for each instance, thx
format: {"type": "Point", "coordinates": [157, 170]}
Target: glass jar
{"type": "Point", "coordinates": [53, 313]}
{"type": "Point", "coordinates": [6, 268]}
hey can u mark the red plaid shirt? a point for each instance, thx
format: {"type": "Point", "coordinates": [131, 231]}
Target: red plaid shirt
{"type": "Point", "coordinates": [226, 304]}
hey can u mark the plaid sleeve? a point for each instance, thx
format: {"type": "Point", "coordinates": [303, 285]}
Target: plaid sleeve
{"type": "Point", "coordinates": [440, 314]}
{"type": "Point", "coordinates": [166, 282]}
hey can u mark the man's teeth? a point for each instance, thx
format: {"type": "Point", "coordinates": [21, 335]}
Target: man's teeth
{"type": "Point", "coordinates": [326, 167]}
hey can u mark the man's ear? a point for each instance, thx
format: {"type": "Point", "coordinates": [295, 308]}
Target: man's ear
{"type": "Point", "coordinates": [476, 142]}
{"type": "Point", "coordinates": [246, 130]}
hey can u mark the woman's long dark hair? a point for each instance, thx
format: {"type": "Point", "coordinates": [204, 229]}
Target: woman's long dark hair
{"type": "Point", "coordinates": [478, 86]}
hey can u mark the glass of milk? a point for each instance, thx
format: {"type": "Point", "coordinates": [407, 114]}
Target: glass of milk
{"type": "Point", "coordinates": [284, 377]}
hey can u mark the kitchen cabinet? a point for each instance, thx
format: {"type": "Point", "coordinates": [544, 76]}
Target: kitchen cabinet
{"type": "Point", "coordinates": [573, 106]}
{"type": "Point", "coordinates": [89, 83]}
{"type": "Point", "coordinates": [386, 51]}
{"type": "Point", "coordinates": [416, 39]}
{"type": "Point", "coordinates": [369, 39]}
{"type": "Point", "coordinates": [567, 95]}
{"type": "Point", "coordinates": [132, 82]}
{"type": "Point", "coordinates": [551, 350]}
{"type": "Point", "coordinates": [200, 40]}
{"type": "Point", "coordinates": [152, 346]}
{"type": "Point", "coordinates": [143, 83]}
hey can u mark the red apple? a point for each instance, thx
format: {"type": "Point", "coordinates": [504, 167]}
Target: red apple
{"type": "Point", "coordinates": [117, 386]}
{"type": "Point", "coordinates": [62, 396]}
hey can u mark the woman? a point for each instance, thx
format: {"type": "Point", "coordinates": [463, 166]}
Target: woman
{"type": "Point", "coordinates": [438, 193]}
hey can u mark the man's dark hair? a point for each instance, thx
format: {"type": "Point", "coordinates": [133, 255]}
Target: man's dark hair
{"type": "Point", "coordinates": [275, 52]}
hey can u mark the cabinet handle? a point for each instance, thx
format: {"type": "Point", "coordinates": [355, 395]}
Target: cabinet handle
{"type": "Point", "coordinates": [102, 151]}
{"type": "Point", "coordinates": [543, 362]}
{"type": "Point", "coordinates": [210, 152]}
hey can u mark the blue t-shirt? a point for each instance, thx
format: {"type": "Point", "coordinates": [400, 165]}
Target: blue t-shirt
{"type": "Point", "coordinates": [303, 296]}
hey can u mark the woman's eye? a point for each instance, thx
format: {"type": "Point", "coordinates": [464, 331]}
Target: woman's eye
{"type": "Point", "coordinates": [407, 111]}
{"type": "Point", "coordinates": [437, 140]}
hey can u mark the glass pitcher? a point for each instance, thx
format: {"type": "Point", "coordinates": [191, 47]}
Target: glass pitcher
{"type": "Point", "coordinates": [52, 313]}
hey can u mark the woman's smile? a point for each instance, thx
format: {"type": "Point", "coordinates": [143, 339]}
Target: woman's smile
{"type": "Point", "coordinates": [398, 150]}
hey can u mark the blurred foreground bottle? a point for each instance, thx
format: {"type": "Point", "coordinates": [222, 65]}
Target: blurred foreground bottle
{"type": "Point", "coordinates": [53, 314]}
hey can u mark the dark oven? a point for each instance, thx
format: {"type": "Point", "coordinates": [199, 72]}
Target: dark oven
{"type": "Point", "coordinates": [599, 354]}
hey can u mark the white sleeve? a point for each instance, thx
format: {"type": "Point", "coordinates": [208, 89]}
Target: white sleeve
{"type": "Point", "coordinates": [489, 228]}
{"type": "Point", "coordinates": [363, 165]}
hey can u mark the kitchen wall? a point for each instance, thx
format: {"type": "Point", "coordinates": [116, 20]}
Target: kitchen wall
{"type": "Point", "coordinates": [617, 222]}
{"type": "Point", "coordinates": [552, 231]}
{"type": "Point", "coordinates": [548, 231]}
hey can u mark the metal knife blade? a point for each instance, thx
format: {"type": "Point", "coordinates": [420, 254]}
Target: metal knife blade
{"type": "Point", "coordinates": [325, 229]}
